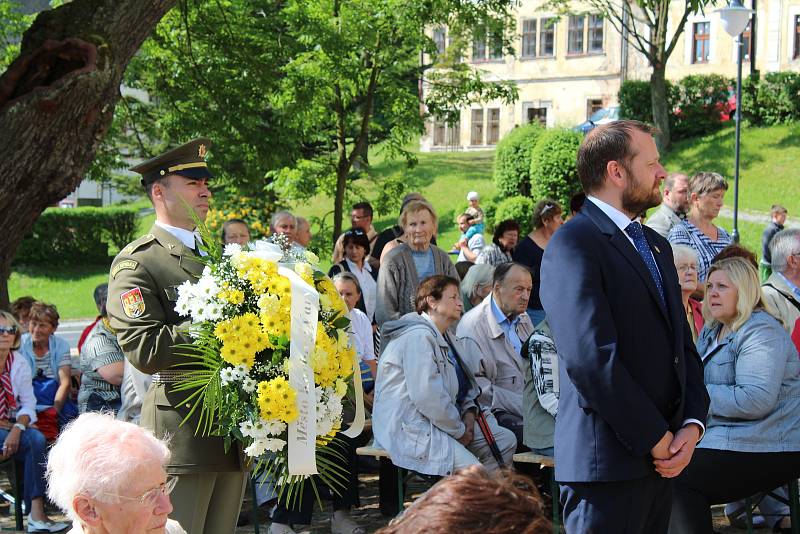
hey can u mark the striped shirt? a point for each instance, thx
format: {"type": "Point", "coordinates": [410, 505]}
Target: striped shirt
{"type": "Point", "coordinates": [688, 234]}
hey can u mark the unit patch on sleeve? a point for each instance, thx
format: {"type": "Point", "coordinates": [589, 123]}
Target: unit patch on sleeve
{"type": "Point", "coordinates": [133, 303]}
{"type": "Point", "coordinates": [122, 265]}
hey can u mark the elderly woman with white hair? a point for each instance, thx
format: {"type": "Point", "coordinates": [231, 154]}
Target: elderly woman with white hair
{"type": "Point", "coordinates": [685, 259]}
{"type": "Point", "coordinates": [109, 477]}
{"type": "Point", "coordinates": [477, 283]}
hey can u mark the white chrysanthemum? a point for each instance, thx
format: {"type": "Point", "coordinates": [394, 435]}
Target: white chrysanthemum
{"type": "Point", "coordinates": [207, 270]}
{"type": "Point", "coordinates": [241, 370]}
{"type": "Point", "coordinates": [227, 375]}
{"type": "Point", "coordinates": [246, 428]}
{"type": "Point", "coordinates": [206, 287]}
{"type": "Point", "coordinates": [231, 249]}
{"type": "Point", "coordinates": [257, 448]}
{"type": "Point", "coordinates": [274, 444]}
{"type": "Point", "coordinates": [312, 258]}
{"type": "Point", "coordinates": [249, 385]}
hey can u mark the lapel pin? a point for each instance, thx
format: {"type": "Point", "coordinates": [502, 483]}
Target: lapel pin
{"type": "Point", "coordinates": [657, 249]}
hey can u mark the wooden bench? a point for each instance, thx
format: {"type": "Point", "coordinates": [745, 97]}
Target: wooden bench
{"type": "Point", "coordinates": [545, 461]}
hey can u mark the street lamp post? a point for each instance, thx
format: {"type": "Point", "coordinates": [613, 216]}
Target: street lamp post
{"type": "Point", "coordinates": [734, 20]}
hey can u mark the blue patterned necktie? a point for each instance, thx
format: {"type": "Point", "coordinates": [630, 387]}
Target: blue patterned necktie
{"type": "Point", "coordinates": [634, 230]}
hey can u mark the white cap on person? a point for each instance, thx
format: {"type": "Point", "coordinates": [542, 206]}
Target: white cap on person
{"type": "Point", "coordinates": [472, 195]}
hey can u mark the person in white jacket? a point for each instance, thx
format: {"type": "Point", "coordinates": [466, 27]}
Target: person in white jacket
{"type": "Point", "coordinates": [425, 403]}
{"type": "Point", "coordinates": [17, 413]}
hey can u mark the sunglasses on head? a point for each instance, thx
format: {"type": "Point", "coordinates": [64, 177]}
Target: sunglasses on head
{"type": "Point", "coordinates": [355, 232]}
{"type": "Point", "coordinates": [12, 330]}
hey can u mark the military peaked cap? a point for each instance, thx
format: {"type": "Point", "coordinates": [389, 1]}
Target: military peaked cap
{"type": "Point", "coordinates": [187, 160]}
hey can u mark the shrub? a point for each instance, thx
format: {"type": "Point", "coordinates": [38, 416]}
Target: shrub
{"type": "Point", "coordinates": [512, 160]}
{"type": "Point", "coordinates": [517, 208]}
{"type": "Point", "coordinates": [698, 105]}
{"type": "Point", "coordinates": [77, 235]}
{"type": "Point", "coordinates": [553, 165]}
{"type": "Point", "coordinates": [777, 98]}
{"type": "Point", "coordinates": [634, 101]}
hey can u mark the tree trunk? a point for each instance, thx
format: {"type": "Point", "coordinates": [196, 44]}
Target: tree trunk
{"type": "Point", "coordinates": [57, 101]}
{"type": "Point", "coordinates": [660, 106]}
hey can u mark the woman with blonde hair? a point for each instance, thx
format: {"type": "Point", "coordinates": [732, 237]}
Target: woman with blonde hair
{"type": "Point", "coordinates": [411, 262]}
{"type": "Point", "coordinates": [752, 374]}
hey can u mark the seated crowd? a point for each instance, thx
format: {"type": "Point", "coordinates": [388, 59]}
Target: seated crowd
{"type": "Point", "coordinates": [459, 369]}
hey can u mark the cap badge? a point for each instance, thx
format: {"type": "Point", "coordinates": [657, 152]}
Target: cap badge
{"type": "Point", "coordinates": [201, 152]}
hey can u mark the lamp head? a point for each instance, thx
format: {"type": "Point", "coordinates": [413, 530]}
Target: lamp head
{"type": "Point", "coordinates": [735, 17]}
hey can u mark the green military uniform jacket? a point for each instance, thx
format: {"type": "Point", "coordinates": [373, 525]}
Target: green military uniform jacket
{"type": "Point", "coordinates": [142, 292]}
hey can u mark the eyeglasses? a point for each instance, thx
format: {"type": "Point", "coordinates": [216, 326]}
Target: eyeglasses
{"type": "Point", "coordinates": [150, 497]}
{"type": "Point", "coordinates": [10, 330]}
{"type": "Point", "coordinates": [687, 266]}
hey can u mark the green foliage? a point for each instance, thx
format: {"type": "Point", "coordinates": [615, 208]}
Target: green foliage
{"type": "Point", "coordinates": [518, 209]}
{"type": "Point", "coordinates": [695, 103]}
{"type": "Point", "coordinates": [14, 22]}
{"type": "Point", "coordinates": [77, 236]}
{"type": "Point", "coordinates": [773, 99]}
{"type": "Point", "coordinates": [553, 165]}
{"type": "Point", "coordinates": [635, 102]}
{"type": "Point", "coordinates": [699, 100]}
{"type": "Point", "coordinates": [512, 160]}
{"type": "Point", "coordinates": [293, 93]}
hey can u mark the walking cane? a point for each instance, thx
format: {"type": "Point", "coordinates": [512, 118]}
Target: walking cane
{"type": "Point", "coordinates": [480, 417]}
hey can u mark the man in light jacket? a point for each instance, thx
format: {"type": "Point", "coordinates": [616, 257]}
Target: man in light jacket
{"type": "Point", "coordinates": [499, 326]}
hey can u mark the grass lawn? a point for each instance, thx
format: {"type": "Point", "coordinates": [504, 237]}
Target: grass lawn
{"type": "Point", "coordinates": [69, 288]}
{"type": "Point", "coordinates": [769, 158]}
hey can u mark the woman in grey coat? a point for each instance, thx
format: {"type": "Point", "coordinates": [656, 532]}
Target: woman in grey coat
{"type": "Point", "coordinates": [752, 374]}
{"type": "Point", "coordinates": [405, 266]}
{"type": "Point", "coordinates": [424, 412]}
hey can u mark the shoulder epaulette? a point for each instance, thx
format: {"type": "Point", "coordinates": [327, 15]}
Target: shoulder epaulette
{"type": "Point", "coordinates": [132, 247]}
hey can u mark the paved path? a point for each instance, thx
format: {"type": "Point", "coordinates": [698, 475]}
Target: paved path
{"type": "Point", "coordinates": [71, 330]}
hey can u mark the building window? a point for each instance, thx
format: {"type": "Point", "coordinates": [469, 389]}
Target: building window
{"type": "Point", "coordinates": [484, 41]}
{"type": "Point", "coordinates": [439, 39]}
{"type": "Point", "coordinates": [536, 114]}
{"type": "Point", "coordinates": [496, 45]}
{"type": "Point", "coordinates": [493, 133]}
{"type": "Point", "coordinates": [595, 34]}
{"type": "Point", "coordinates": [529, 38]}
{"type": "Point", "coordinates": [547, 37]}
{"type": "Point", "coordinates": [796, 53]}
{"type": "Point", "coordinates": [438, 133]}
{"type": "Point", "coordinates": [446, 134]}
{"type": "Point", "coordinates": [592, 105]}
{"type": "Point", "coordinates": [575, 34]}
{"type": "Point", "coordinates": [454, 133]}
{"type": "Point", "coordinates": [476, 136]}
{"type": "Point", "coordinates": [479, 45]}
{"type": "Point", "coordinates": [700, 42]}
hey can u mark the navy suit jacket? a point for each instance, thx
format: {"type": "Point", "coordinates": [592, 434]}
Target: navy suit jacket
{"type": "Point", "coordinates": [629, 370]}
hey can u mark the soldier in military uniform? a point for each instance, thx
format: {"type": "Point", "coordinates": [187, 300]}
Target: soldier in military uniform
{"type": "Point", "coordinates": [141, 306]}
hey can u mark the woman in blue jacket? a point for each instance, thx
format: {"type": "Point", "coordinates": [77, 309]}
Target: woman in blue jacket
{"type": "Point", "coordinates": [752, 373]}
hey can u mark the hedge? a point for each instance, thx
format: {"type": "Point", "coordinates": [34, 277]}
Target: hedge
{"type": "Point", "coordinates": [554, 173]}
{"type": "Point", "coordinates": [512, 160]}
{"type": "Point", "coordinates": [695, 103]}
{"type": "Point", "coordinates": [77, 235]}
{"type": "Point", "coordinates": [516, 208]}
{"type": "Point", "coordinates": [773, 99]}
